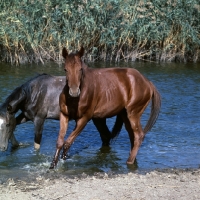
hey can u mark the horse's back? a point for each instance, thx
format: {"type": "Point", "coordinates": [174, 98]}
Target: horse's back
{"type": "Point", "coordinates": [118, 76]}
{"type": "Point", "coordinates": [126, 81]}
{"type": "Point", "coordinates": [117, 88]}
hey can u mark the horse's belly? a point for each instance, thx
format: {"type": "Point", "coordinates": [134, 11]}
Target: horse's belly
{"type": "Point", "coordinates": [109, 104]}
{"type": "Point", "coordinates": [107, 111]}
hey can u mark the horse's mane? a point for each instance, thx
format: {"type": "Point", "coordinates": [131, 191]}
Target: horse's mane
{"type": "Point", "coordinates": [16, 92]}
{"type": "Point", "coordinates": [33, 78]}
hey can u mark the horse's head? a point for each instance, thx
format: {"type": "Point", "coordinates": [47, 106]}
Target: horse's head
{"type": "Point", "coordinates": [7, 126]}
{"type": "Point", "coordinates": [74, 71]}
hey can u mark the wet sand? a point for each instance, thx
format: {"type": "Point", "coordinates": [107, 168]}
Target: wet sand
{"type": "Point", "coordinates": [156, 185]}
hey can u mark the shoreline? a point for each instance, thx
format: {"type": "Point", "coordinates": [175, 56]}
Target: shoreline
{"type": "Point", "coordinates": [157, 184]}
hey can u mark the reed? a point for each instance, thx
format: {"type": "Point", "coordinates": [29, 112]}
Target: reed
{"type": "Point", "coordinates": [36, 31]}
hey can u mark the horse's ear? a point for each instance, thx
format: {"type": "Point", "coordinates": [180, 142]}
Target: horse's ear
{"type": "Point", "coordinates": [81, 51]}
{"type": "Point", "coordinates": [64, 53]}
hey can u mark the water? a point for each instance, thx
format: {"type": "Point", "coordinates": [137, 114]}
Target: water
{"type": "Point", "coordinates": [173, 142]}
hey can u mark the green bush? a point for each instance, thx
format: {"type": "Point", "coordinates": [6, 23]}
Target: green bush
{"type": "Point", "coordinates": [159, 30]}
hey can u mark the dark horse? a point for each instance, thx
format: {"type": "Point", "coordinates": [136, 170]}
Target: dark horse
{"type": "Point", "coordinates": [38, 99]}
{"type": "Point", "coordinates": [100, 93]}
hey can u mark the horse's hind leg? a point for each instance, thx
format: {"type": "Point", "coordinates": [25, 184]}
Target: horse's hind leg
{"type": "Point", "coordinates": [105, 134]}
{"type": "Point", "coordinates": [129, 129]}
{"type": "Point", "coordinates": [136, 137]}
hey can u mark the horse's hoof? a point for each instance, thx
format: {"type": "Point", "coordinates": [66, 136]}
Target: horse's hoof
{"type": "Point", "coordinates": [64, 157]}
{"type": "Point", "coordinates": [51, 167]}
{"type": "Point", "coordinates": [128, 162]}
{"type": "Point", "coordinates": [53, 164]}
{"type": "Point", "coordinates": [36, 146]}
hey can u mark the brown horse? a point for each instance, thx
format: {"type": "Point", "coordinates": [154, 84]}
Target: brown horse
{"type": "Point", "coordinates": [102, 93]}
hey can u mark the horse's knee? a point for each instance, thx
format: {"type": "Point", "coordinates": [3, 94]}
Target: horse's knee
{"type": "Point", "coordinates": [60, 143]}
{"type": "Point", "coordinates": [138, 131]}
{"type": "Point", "coordinates": [139, 137]}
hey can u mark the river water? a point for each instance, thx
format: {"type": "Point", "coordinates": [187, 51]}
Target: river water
{"type": "Point", "coordinates": [173, 142]}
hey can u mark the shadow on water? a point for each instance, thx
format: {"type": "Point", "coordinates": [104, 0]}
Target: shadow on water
{"type": "Point", "coordinates": [173, 142]}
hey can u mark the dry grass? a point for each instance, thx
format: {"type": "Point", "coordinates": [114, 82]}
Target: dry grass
{"type": "Point", "coordinates": [109, 30]}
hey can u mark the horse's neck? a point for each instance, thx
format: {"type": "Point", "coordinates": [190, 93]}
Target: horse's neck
{"type": "Point", "coordinates": [88, 80]}
{"type": "Point", "coordinates": [13, 96]}
{"type": "Point", "coordinates": [84, 65]}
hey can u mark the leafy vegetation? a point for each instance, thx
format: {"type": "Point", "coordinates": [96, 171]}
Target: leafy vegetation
{"type": "Point", "coordinates": [159, 30]}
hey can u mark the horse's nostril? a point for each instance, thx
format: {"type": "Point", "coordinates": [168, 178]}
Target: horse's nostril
{"type": "Point", "coordinates": [74, 93]}
{"type": "Point", "coordinates": [3, 148]}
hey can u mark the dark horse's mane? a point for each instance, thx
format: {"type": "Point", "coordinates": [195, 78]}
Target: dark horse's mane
{"type": "Point", "coordinates": [16, 92]}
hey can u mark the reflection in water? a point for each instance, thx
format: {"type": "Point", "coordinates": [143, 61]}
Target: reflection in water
{"type": "Point", "coordinates": [133, 167]}
{"type": "Point", "coordinates": [174, 141]}
{"type": "Point", "coordinates": [104, 159]}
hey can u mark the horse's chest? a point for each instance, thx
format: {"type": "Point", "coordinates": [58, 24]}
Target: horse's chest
{"type": "Point", "coordinates": [73, 112]}
{"type": "Point", "coordinates": [72, 107]}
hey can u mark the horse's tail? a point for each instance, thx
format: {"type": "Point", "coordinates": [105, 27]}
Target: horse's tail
{"type": "Point", "coordinates": [117, 127]}
{"type": "Point", "coordinates": [155, 109]}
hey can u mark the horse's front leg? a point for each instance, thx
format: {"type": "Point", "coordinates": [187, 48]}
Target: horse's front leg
{"type": "Point", "coordinates": [39, 123]}
{"type": "Point", "coordinates": [79, 127]}
{"type": "Point", "coordinates": [19, 119]}
{"type": "Point", "coordinates": [14, 141]}
{"type": "Point", "coordinates": [64, 119]}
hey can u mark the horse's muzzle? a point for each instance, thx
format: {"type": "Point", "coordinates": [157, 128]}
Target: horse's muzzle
{"type": "Point", "coordinates": [3, 147]}
{"type": "Point", "coordinates": [74, 93]}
